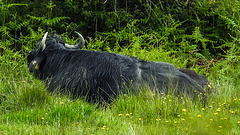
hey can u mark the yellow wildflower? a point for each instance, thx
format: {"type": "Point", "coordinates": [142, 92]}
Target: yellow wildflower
{"type": "Point", "coordinates": [120, 114]}
{"type": "Point", "coordinates": [184, 110]}
{"type": "Point", "coordinates": [209, 86]}
{"type": "Point", "coordinates": [199, 116]}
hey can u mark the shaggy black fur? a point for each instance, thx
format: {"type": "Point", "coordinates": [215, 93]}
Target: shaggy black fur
{"type": "Point", "coordinates": [102, 75]}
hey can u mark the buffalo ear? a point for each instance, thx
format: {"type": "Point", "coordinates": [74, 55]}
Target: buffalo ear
{"type": "Point", "coordinates": [35, 64]}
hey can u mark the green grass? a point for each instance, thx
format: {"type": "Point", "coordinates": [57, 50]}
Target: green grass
{"type": "Point", "coordinates": [145, 113]}
{"type": "Point", "coordinates": [27, 107]}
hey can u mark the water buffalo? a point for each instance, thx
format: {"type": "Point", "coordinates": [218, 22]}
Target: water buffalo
{"type": "Point", "coordinates": [101, 75]}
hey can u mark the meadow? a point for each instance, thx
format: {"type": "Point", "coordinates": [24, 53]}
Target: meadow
{"type": "Point", "coordinates": [207, 42]}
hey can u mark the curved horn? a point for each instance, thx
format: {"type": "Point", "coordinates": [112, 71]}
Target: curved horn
{"type": "Point", "coordinates": [42, 45]}
{"type": "Point", "coordinates": [79, 45]}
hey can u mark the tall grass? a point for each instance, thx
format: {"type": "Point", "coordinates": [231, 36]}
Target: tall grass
{"type": "Point", "coordinates": [27, 107]}
{"type": "Point", "coordinates": [144, 113]}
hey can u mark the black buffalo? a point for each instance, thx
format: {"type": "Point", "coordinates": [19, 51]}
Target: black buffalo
{"type": "Point", "coordinates": [102, 75]}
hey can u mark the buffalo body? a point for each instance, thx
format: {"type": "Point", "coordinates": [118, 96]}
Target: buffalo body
{"type": "Point", "coordinates": [102, 75]}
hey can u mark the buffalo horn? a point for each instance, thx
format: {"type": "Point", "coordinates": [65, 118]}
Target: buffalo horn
{"type": "Point", "coordinates": [42, 45]}
{"type": "Point", "coordinates": [79, 45]}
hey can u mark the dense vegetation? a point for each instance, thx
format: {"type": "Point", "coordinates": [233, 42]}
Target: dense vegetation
{"type": "Point", "coordinates": [199, 34]}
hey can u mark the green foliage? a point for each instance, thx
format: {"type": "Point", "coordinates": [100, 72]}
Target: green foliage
{"type": "Point", "coordinates": [200, 28]}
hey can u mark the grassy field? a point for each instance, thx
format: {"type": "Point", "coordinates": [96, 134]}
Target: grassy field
{"type": "Point", "coordinates": [27, 107]}
{"type": "Point", "coordinates": [202, 35]}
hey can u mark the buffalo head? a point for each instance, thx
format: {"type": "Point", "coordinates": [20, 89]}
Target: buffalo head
{"type": "Point", "coordinates": [37, 56]}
